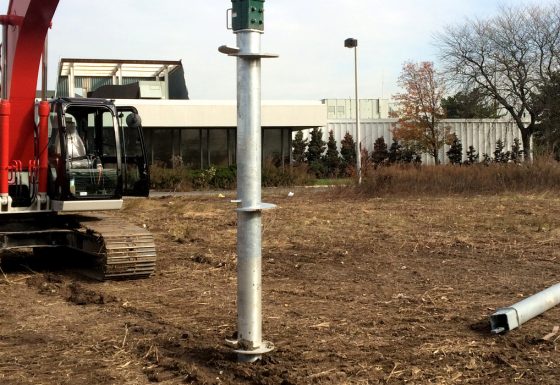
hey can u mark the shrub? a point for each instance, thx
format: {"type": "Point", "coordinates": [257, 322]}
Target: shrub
{"type": "Point", "coordinates": [183, 179]}
{"type": "Point", "coordinates": [317, 169]}
{"type": "Point", "coordinates": [399, 154]}
{"type": "Point", "coordinates": [162, 178]}
{"type": "Point", "coordinates": [472, 156]}
{"type": "Point", "coordinates": [499, 155]}
{"type": "Point", "coordinates": [224, 178]}
{"type": "Point", "coordinates": [201, 179]}
{"type": "Point", "coordinates": [455, 152]}
{"type": "Point", "coordinates": [395, 150]}
{"type": "Point", "coordinates": [289, 176]}
{"type": "Point", "coordinates": [516, 154]}
{"type": "Point", "coordinates": [380, 153]}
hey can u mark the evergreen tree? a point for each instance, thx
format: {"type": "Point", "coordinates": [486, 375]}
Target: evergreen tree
{"type": "Point", "coordinates": [472, 156]}
{"type": "Point", "coordinates": [547, 135]}
{"type": "Point", "coordinates": [473, 104]}
{"type": "Point", "coordinates": [399, 153]}
{"type": "Point", "coordinates": [499, 155]}
{"type": "Point", "coordinates": [298, 148]}
{"type": "Point", "coordinates": [380, 153]}
{"type": "Point", "coordinates": [315, 149]}
{"type": "Point", "coordinates": [409, 155]}
{"type": "Point", "coordinates": [348, 151]}
{"type": "Point", "coordinates": [516, 154]}
{"type": "Point", "coordinates": [332, 157]}
{"type": "Point", "coordinates": [395, 152]}
{"type": "Point", "coordinates": [455, 152]}
{"type": "Point", "coordinates": [316, 146]}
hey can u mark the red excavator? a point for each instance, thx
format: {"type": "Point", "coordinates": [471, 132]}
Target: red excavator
{"type": "Point", "coordinates": [63, 156]}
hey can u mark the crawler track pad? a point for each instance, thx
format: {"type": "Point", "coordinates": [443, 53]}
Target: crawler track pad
{"type": "Point", "coordinates": [125, 251]}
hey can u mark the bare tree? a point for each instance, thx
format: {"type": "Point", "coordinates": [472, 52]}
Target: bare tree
{"type": "Point", "coordinates": [508, 57]}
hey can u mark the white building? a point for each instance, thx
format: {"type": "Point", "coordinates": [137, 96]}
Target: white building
{"type": "Point", "coordinates": [345, 109]}
{"type": "Point", "coordinates": [203, 133]}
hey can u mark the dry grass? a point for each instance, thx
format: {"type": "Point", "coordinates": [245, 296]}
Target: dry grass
{"type": "Point", "coordinates": [540, 176]}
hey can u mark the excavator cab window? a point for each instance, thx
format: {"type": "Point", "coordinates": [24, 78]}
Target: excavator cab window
{"type": "Point", "coordinates": [136, 178]}
{"type": "Point", "coordinates": [86, 153]}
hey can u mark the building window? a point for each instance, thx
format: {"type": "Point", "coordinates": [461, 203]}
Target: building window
{"type": "Point", "coordinates": [204, 148]}
{"type": "Point", "coordinates": [161, 146]}
{"type": "Point", "coordinates": [199, 148]}
{"type": "Point", "coordinates": [218, 147]}
{"type": "Point", "coordinates": [176, 150]}
{"type": "Point", "coordinates": [286, 146]}
{"type": "Point", "coordinates": [272, 146]}
{"type": "Point", "coordinates": [191, 147]}
{"type": "Point", "coordinates": [232, 145]}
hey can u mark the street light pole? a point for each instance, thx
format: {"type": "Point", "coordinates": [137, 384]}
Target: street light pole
{"type": "Point", "coordinates": [353, 43]}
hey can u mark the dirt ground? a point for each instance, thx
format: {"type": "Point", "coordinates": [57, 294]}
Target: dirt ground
{"type": "Point", "coordinates": [355, 291]}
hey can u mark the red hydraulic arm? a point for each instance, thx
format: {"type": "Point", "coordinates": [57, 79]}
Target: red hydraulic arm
{"type": "Point", "coordinates": [26, 26]}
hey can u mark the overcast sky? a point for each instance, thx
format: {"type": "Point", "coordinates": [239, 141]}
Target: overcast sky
{"type": "Point", "coordinates": [308, 36]}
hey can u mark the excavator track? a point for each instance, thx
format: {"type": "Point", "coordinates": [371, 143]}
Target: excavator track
{"type": "Point", "coordinates": [124, 251]}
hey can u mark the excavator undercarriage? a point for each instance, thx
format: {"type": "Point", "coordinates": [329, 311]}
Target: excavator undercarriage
{"type": "Point", "coordinates": [120, 250]}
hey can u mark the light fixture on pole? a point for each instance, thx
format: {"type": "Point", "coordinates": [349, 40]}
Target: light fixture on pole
{"type": "Point", "coordinates": [353, 43]}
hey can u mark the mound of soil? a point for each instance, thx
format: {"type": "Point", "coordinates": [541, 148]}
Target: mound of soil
{"type": "Point", "coordinates": [79, 295]}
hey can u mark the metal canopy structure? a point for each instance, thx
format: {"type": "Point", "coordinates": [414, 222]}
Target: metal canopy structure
{"type": "Point", "coordinates": [78, 77]}
{"type": "Point", "coordinates": [124, 68]}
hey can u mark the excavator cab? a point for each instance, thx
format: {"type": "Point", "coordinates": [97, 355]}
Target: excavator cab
{"type": "Point", "coordinates": [94, 155]}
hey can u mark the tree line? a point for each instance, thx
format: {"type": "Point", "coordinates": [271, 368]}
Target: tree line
{"type": "Point", "coordinates": [507, 65]}
{"type": "Point", "coordinates": [324, 160]}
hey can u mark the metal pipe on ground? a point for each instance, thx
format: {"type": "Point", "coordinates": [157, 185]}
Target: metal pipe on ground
{"type": "Point", "coordinates": [511, 317]}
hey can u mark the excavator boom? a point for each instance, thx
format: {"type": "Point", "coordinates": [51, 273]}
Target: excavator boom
{"type": "Point", "coordinates": [25, 29]}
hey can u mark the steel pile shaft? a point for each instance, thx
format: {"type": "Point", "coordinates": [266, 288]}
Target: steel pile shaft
{"type": "Point", "coordinates": [249, 316]}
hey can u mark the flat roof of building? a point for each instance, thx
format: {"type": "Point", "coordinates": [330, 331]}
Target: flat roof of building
{"type": "Point", "coordinates": [110, 67]}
